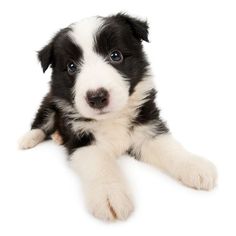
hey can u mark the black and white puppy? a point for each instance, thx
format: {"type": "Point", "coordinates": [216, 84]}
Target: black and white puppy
{"type": "Point", "coordinates": [102, 103]}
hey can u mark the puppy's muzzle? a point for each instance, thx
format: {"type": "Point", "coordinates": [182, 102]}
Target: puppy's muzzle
{"type": "Point", "coordinates": [97, 99]}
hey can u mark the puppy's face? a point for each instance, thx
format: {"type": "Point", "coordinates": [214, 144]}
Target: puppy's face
{"type": "Point", "coordinates": [97, 63]}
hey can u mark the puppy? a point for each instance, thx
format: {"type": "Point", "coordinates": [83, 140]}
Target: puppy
{"type": "Point", "coordinates": [101, 104]}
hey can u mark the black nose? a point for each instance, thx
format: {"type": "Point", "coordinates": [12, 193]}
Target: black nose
{"type": "Point", "coordinates": [97, 99]}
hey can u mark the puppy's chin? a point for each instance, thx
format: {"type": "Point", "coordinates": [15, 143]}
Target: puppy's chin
{"type": "Point", "coordinates": [99, 114]}
{"type": "Point", "coordinates": [104, 116]}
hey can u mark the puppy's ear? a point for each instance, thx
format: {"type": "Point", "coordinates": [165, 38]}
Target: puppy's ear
{"type": "Point", "coordinates": [138, 27]}
{"type": "Point", "coordinates": [45, 56]}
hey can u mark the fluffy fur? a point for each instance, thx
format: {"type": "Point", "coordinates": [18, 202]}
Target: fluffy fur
{"type": "Point", "coordinates": [107, 53]}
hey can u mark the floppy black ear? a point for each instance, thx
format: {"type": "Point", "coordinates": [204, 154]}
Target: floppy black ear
{"type": "Point", "coordinates": [138, 27]}
{"type": "Point", "coordinates": [45, 56]}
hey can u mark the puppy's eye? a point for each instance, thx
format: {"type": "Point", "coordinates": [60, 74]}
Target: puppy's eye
{"type": "Point", "coordinates": [71, 68]}
{"type": "Point", "coordinates": [116, 56]}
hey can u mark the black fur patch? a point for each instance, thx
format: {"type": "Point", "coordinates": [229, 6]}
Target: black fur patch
{"type": "Point", "coordinates": [58, 53]}
{"type": "Point", "coordinates": [83, 139]}
{"type": "Point", "coordinates": [46, 110]}
{"type": "Point", "coordinates": [124, 33]}
{"type": "Point", "coordinates": [46, 54]}
{"type": "Point", "coordinates": [149, 113]}
{"type": "Point", "coordinates": [73, 140]}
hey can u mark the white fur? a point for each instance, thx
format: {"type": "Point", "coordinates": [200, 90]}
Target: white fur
{"type": "Point", "coordinates": [32, 138]}
{"type": "Point", "coordinates": [106, 193]}
{"type": "Point", "coordinates": [96, 72]}
{"type": "Point", "coordinates": [166, 153]}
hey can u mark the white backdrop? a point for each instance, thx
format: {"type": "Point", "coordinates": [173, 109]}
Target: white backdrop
{"type": "Point", "coordinates": [193, 56]}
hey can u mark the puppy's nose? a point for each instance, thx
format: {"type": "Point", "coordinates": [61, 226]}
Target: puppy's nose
{"type": "Point", "coordinates": [97, 99]}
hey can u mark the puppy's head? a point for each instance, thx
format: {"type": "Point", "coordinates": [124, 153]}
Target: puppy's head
{"type": "Point", "coordinates": [97, 62]}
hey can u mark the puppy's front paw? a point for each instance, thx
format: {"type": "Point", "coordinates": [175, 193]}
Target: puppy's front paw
{"type": "Point", "coordinates": [32, 138]}
{"type": "Point", "coordinates": [198, 173]}
{"type": "Point", "coordinates": [109, 202]}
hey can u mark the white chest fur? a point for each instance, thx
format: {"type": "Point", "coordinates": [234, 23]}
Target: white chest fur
{"type": "Point", "coordinates": [112, 135]}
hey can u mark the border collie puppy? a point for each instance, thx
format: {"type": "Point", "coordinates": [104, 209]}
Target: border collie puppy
{"type": "Point", "coordinates": [102, 104]}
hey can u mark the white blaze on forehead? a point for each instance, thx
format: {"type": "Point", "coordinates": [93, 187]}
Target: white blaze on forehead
{"type": "Point", "coordinates": [95, 72]}
{"type": "Point", "coordinates": [83, 33]}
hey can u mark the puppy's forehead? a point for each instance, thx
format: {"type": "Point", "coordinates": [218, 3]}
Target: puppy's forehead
{"type": "Point", "coordinates": [84, 31]}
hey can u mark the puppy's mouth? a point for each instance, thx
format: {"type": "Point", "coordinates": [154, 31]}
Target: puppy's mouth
{"type": "Point", "coordinates": [103, 112]}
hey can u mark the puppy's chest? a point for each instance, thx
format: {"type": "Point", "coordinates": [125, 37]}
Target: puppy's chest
{"type": "Point", "coordinates": [114, 134]}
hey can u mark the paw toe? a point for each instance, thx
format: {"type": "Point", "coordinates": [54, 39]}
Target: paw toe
{"type": "Point", "coordinates": [199, 174]}
{"type": "Point", "coordinates": [111, 205]}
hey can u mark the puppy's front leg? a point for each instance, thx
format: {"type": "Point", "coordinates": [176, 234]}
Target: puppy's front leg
{"type": "Point", "coordinates": [42, 126]}
{"type": "Point", "coordinates": [166, 153]}
{"type": "Point", "coordinates": [106, 194]}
